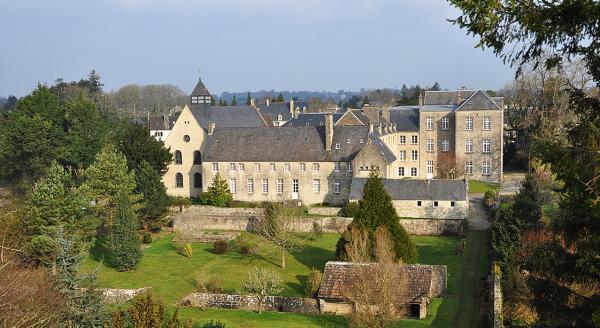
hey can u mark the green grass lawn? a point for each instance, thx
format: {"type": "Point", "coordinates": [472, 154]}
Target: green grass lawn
{"type": "Point", "coordinates": [172, 276]}
{"type": "Point", "coordinates": [480, 187]}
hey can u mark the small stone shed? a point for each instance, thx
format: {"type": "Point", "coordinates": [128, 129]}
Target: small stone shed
{"type": "Point", "coordinates": [428, 199]}
{"type": "Point", "coordinates": [423, 282]}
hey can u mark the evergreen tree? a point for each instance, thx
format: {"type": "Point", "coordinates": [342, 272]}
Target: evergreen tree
{"type": "Point", "coordinates": [234, 101]}
{"type": "Point", "coordinates": [218, 193]}
{"type": "Point", "coordinates": [135, 142]}
{"type": "Point", "coordinates": [124, 241]}
{"type": "Point", "coordinates": [436, 87]}
{"type": "Point", "coordinates": [280, 98]}
{"type": "Point", "coordinates": [149, 184]}
{"type": "Point", "coordinates": [94, 84]}
{"type": "Point", "coordinates": [365, 100]}
{"type": "Point", "coordinates": [248, 99]}
{"type": "Point", "coordinates": [84, 303]}
{"type": "Point", "coordinates": [212, 101]}
{"type": "Point", "coordinates": [225, 102]}
{"type": "Point", "coordinates": [376, 210]}
{"type": "Point", "coordinates": [221, 102]}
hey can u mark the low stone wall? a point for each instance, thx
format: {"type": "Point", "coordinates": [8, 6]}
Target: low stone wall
{"type": "Point", "coordinates": [250, 302]}
{"type": "Point", "coordinates": [118, 296]}
{"type": "Point", "coordinates": [325, 211]}
{"type": "Point", "coordinates": [496, 318]}
{"type": "Point", "coordinates": [195, 219]}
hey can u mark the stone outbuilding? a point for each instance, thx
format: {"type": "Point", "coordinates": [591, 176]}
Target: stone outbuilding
{"type": "Point", "coordinates": [423, 282]}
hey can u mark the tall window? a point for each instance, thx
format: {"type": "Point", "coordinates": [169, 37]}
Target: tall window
{"type": "Point", "coordinates": [316, 167]}
{"type": "Point", "coordinates": [414, 140]}
{"type": "Point", "coordinates": [401, 171]}
{"type": "Point", "coordinates": [280, 186]}
{"type": "Point", "coordinates": [402, 140]}
{"type": "Point", "coordinates": [250, 186]}
{"type": "Point", "coordinates": [413, 171]}
{"type": "Point", "coordinates": [445, 145]}
{"type": "Point", "coordinates": [303, 167]}
{"type": "Point", "coordinates": [336, 167]}
{"type": "Point", "coordinates": [469, 167]}
{"type": "Point", "coordinates": [430, 167]}
{"type": "Point", "coordinates": [178, 180]}
{"type": "Point", "coordinates": [336, 186]}
{"type": "Point", "coordinates": [445, 123]}
{"type": "Point", "coordinates": [215, 167]}
{"type": "Point", "coordinates": [197, 158]}
{"type": "Point", "coordinates": [487, 125]}
{"type": "Point", "coordinates": [469, 124]}
{"type": "Point", "coordinates": [402, 155]}
{"type": "Point", "coordinates": [286, 167]}
{"type": "Point", "coordinates": [486, 168]}
{"type": "Point", "coordinates": [468, 146]}
{"type": "Point", "coordinates": [232, 167]}
{"type": "Point", "coordinates": [317, 185]}
{"type": "Point", "coordinates": [256, 167]}
{"type": "Point", "coordinates": [233, 186]}
{"type": "Point", "coordinates": [265, 186]}
{"type": "Point", "coordinates": [241, 167]}
{"type": "Point", "coordinates": [487, 146]}
{"type": "Point", "coordinates": [178, 157]}
{"type": "Point", "coordinates": [272, 167]}
{"type": "Point", "coordinates": [197, 180]}
{"type": "Point", "coordinates": [414, 155]}
{"type": "Point", "coordinates": [349, 166]}
{"type": "Point", "coordinates": [429, 144]}
{"type": "Point", "coordinates": [430, 124]}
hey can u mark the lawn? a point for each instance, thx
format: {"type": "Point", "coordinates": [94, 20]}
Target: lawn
{"type": "Point", "coordinates": [172, 276]}
{"type": "Point", "coordinates": [480, 187]}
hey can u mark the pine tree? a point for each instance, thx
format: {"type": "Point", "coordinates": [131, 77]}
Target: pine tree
{"type": "Point", "coordinates": [248, 99]}
{"type": "Point", "coordinates": [218, 193]}
{"type": "Point", "coordinates": [85, 132]}
{"type": "Point", "coordinates": [436, 87]}
{"type": "Point", "coordinates": [154, 193]}
{"type": "Point", "coordinates": [280, 98]}
{"type": "Point", "coordinates": [124, 241]}
{"type": "Point", "coordinates": [234, 101]}
{"type": "Point", "coordinates": [376, 210]}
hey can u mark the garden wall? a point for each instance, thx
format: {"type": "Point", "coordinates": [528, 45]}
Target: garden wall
{"type": "Point", "coordinates": [118, 296]}
{"type": "Point", "coordinates": [325, 211]}
{"type": "Point", "coordinates": [250, 302]}
{"type": "Point", "coordinates": [496, 297]}
{"type": "Point", "coordinates": [194, 219]}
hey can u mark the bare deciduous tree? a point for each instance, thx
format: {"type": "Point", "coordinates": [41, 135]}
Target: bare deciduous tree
{"type": "Point", "coordinates": [450, 167]}
{"type": "Point", "coordinates": [261, 283]}
{"type": "Point", "coordinates": [275, 226]}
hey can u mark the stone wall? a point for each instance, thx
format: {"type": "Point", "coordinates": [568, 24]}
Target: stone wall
{"type": "Point", "coordinates": [325, 211]}
{"type": "Point", "coordinates": [118, 296]}
{"type": "Point", "coordinates": [443, 209]}
{"type": "Point", "coordinates": [250, 302]}
{"type": "Point", "coordinates": [195, 219]}
{"type": "Point", "coordinates": [496, 318]}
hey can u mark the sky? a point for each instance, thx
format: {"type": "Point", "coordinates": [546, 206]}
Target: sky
{"type": "Point", "coordinates": [240, 45]}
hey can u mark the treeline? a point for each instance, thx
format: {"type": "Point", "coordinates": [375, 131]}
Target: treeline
{"type": "Point", "coordinates": [83, 177]}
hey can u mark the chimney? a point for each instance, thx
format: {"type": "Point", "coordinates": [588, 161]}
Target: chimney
{"type": "Point", "coordinates": [252, 102]}
{"type": "Point", "coordinates": [211, 128]}
{"type": "Point", "coordinates": [328, 131]}
{"type": "Point", "coordinates": [296, 113]}
{"type": "Point", "coordinates": [292, 106]}
{"type": "Point", "coordinates": [268, 101]}
{"type": "Point", "coordinates": [166, 121]}
{"type": "Point", "coordinates": [380, 129]}
{"type": "Point", "coordinates": [370, 127]}
{"type": "Point", "coordinates": [458, 99]}
{"type": "Point", "coordinates": [420, 101]}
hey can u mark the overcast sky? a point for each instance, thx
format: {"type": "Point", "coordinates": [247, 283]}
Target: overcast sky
{"type": "Point", "coordinates": [240, 45]}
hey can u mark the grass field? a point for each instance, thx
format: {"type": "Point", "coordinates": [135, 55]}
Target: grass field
{"type": "Point", "coordinates": [172, 276]}
{"type": "Point", "coordinates": [480, 187]}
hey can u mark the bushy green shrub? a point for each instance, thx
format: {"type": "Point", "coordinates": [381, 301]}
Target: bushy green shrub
{"type": "Point", "coordinates": [218, 193]}
{"type": "Point", "coordinates": [220, 247]}
{"type": "Point", "coordinates": [489, 197]}
{"type": "Point", "coordinates": [185, 249]}
{"type": "Point", "coordinates": [313, 282]}
{"type": "Point", "coordinates": [213, 324]}
{"type": "Point", "coordinates": [350, 210]}
{"type": "Point", "coordinates": [147, 239]}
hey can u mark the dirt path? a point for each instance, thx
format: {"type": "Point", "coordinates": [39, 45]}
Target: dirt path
{"type": "Point", "coordinates": [478, 215]}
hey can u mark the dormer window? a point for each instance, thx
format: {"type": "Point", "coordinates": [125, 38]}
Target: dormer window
{"type": "Point", "coordinates": [279, 117]}
{"type": "Point", "coordinates": [337, 146]}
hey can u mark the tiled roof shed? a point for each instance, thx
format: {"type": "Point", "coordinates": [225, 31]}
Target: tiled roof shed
{"type": "Point", "coordinates": [422, 281]}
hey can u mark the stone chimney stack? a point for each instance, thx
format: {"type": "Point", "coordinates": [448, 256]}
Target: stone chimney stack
{"type": "Point", "coordinates": [371, 127]}
{"type": "Point", "coordinates": [252, 102]}
{"type": "Point", "coordinates": [458, 99]}
{"type": "Point", "coordinates": [268, 101]}
{"type": "Point", "coordinates": [211, 128]}
{"type": "Point", "coordinates": [420, 101]}
{"type": "Point", "coordinates": [380, 129]}
{"type": "Point", "coordinates": [292, 107]}
{"type": "Point", "coordinates": [328, 131]}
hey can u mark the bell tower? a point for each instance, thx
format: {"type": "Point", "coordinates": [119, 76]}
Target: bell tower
{"type": "Point", "coordinates": [200, 95]}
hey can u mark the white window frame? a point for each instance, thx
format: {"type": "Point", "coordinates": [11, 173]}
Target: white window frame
{"type": "Point", "coordinates": [414, 172]}
{"type": "Point", "coordinates": [402, 140]}
{"type": "Point", "coordinates": [469, 146]}
{"type": "Point", "coordinates": [401, 171]}
{"type": "Point", "coordinates": [402, 155]}
{"type": "Point", "coordinates": [430, 166]}
{"type": "Point", "coordinates": [317, 186]}
{"type": "Point", "coordinates": [469, 124]}
{"type": "Point", "coordinates": [430, 145]}
{"type": "Point", "coordinates": [337, 186]}
{"type": "Point", "coordinates": [280, 186]}
{"type": "Point", "coordinates": [256, 167]}
{"type": "Point", "coordinates": [487, 146]}
{"type": "Point", "coordinates": [232, 167]}
{"type": "Point", "coordinates": [265, 186]}
{"type": "Point", "coordinates": [286, 167]}
{"type": "Point", "coordinates": [414, 139]}
{"type": "Point", "coordinates": [349, 167]}
{"type": "Point", "coordinates": [445, 145]}
{"type": "Point", "coordinates": [469, 167]}
{"type": "Point", "coordinates": [486, 168]}
{"type": "Point", "coordinates": [315, 167]}
{"type": "Point", "coordinates": [233, 186]}
{"type": "Point", "coordinates": [487, 123]}
{"type": "Point", "coordinates": [445, 123]}
{"type": "Point", "coordinates": [414, 155]}
{"type": "Point", "coordinates": [215, 167]}
{"type": "Point", "coordinates": [429, 124]}
{"type": "Point", "coordinates": [337, 146]}
{"type": "Point", "coordinates": [302, 167]}
{"type": "Point", "coordinates": [336, 167]}
{"type": "Point", "coordinates": [250, 186]}
{"type": "Point", "coordinates": [241, 167]}
{"type": "Point", "coordinates": [272, 167]}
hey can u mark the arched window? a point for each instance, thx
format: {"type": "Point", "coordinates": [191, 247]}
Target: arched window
{"type": "Point", "coordinates": [198, 180]}
{"type": "Point", "coordinates": [178, 159]}
{"type": "Point", "coordinates": [179, 180]}
{"type": "Point", "coordinates": [197, 158]}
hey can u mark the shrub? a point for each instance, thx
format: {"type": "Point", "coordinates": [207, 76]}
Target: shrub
{"type": "Point", "coordinates": [146, 311]}
{"type": "Point", "coordinates": [213, 324]}
{"type": "Point", "coordinates": [147, 239]}
{"type": "Point", "coordinates": [245, 249]}
{"type": "Point", "coordinates": [206, 284]}
{"type": "Point", "coordinates": [313, 282]}
{"type": "Point", "coordinates": [185, 249]}
{"type": "Point", "coordinates": [220, 247]}
{"type": "Point", "coordinates": [218, 193]}
{"type": "Point", "coordinates": [316, 231]}
{"type": "Point", "coordinates": [350, 210]}
{"type": "Point", "coordinates": [489, 197]}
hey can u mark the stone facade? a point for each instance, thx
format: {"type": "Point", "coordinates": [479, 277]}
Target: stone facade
{"type": "Point", "coordinates": [195, 219]}
{"type": "Point", "coordinates": [430, 209]}
{"type": "Point", "coordinates": [250, 302]}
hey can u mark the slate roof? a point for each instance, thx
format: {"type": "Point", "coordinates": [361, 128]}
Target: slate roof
{"type": "Point", "coordinates": [357, 113]}
{"type": "Point", "coordinates": [158, 122]}
{"type": "Point", "coordinates": [406, 118]}
{"type": "Point", "coordinates": [200, 89]}
{"type": "Point", "coordinates": [413, 189]}
{"type": "Point", "coordinates": [284, 144]}
{"type": "Point", "coordinates": [312, 119]}
{"type": "Point", "coordinates": [228, 116]}
{"type": "Point", "coordinates": [388, 155]}
{"type": "Point", "coordinates": [338, 277]}
{"type": "Point", "coordinates": [445, 97]}
{"type": "Point", "coordinates": [478, 101]}
{"type": "Point", "coordinates": [275, 109]}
